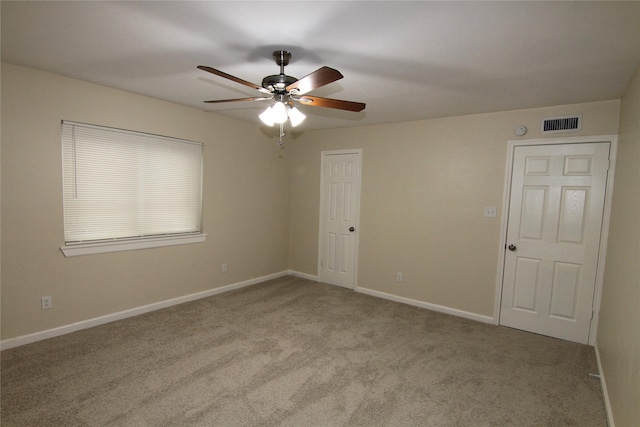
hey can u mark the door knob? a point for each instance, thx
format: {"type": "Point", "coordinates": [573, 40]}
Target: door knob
{"type": "Point", "coordinates": [352, 229]}
{"type": "Point", "coordinates": [512, 248]}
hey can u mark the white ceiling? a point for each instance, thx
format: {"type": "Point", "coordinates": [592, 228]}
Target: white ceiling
{"type": "Point", "coordinates": [405, 60]}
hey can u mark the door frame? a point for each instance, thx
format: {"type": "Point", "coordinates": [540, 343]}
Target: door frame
{"type": "Point", "coordinates": [323, 159]}
{"type": "Point", "coordinates": [604, 234]}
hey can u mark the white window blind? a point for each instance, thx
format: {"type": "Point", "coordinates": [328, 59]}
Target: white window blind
{"type": "Point", "coordinates": [121, 184]}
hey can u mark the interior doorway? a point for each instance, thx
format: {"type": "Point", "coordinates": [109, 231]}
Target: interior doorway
{"type": "Point", "coordinates": [555, 237]}
{"type": "Point", "coordinates": [339, 217]}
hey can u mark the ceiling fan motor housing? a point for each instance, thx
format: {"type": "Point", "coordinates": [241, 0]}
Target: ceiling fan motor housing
{"type": "Point", "coordinates": [279, 82]}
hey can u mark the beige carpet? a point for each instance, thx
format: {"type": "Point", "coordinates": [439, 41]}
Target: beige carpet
{"type": "Point", "coordinates": [293, 352]}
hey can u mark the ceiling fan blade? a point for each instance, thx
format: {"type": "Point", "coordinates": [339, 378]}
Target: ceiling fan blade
{"type": "Point", "coordinates": [232, 78]}
{"type": "Point", "coordinates": [317, 101]}
{"type": "Point", "coordinates": [238, 99]}
{"type": "Point", "coordinates": [320, 77]}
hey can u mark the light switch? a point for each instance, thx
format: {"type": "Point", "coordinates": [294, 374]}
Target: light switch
{"type": "Point", "coordinates": [490, 212]}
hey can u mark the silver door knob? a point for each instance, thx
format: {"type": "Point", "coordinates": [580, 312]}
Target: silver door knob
{"type": "Point", "coordinates": [352, 229]}
{"type": "Point", "coordinates": [512, 248]}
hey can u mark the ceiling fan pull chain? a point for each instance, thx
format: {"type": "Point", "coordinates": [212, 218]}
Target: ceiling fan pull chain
{"type": "Point", "coordinates": [281, 133]}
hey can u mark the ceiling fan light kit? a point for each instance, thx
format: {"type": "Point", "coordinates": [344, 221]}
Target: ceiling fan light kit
{"type": "Point", "coordinates": [279, 113]}
{"type": "Point", "coordinates": [285, 90]}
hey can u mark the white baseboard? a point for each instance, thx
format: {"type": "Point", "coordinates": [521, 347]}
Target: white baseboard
{"type": "Point", "coordinates": [85, 324]}
{"type": "Point", "coordinates": [605, 393]}
{"type": "Point", "coordinates": [428, 306]}
{"type": "Point", "coordinates": [304, 275]}
{"type": "Point", "coordinates": [409, 301]}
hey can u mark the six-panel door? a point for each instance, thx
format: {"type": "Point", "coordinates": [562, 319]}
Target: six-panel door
{"type": "Point", "coordinates": [553, 238]}
{"type": "Point", "coordinates": [340, 197]}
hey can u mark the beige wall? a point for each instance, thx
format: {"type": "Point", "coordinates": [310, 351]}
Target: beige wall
{"type": "Point", "coordinates": [424, 187]}
{"type": "Point", "coordinates": [618, 339]}
{"type": "Point", "coordinates": [246, 202]}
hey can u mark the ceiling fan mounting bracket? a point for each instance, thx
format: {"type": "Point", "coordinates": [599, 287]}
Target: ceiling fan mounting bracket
{"type": "Point", "coordinates": [282, 58]}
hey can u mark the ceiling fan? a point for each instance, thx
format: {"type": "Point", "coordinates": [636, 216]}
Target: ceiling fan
{"type": "Point", "coordinates": [285, 90]}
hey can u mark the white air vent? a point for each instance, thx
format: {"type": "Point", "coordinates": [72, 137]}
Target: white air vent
{"type": "Point", "coordinates": [562, 124]}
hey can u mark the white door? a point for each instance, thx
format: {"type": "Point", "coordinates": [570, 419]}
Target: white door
{"type": "Point", "coordinates": [553, 238]}
{"type": "Point", "coordinates": [339, 203]}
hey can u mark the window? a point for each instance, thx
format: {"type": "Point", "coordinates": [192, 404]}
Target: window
{"type": "Point", "coordinates": [128, 190]}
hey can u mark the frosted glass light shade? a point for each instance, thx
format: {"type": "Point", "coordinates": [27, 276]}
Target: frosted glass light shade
{"type": "Point", "coordinates": [267, 116]}
{"type": "Point", "coordinates": [279, 112]}
{"type": "Point", "coordinates": [296, 116]}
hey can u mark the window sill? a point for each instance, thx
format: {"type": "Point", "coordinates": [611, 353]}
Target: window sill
{"type": "Point", "coordinates": [130, 245]}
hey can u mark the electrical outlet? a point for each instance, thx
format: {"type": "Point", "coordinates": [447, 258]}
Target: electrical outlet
{"type": "Point", "coordinates": [399, 276]}
{"type": "Point", "coordinates": [490, 212]}
{"type": "Point", "coordinates": [46, 303]}
{"type": "Point", "coordinates": [224, 268]}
